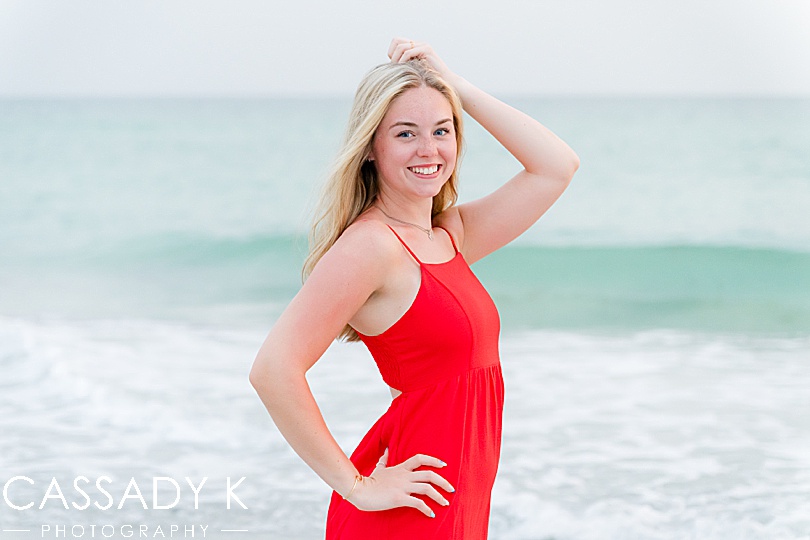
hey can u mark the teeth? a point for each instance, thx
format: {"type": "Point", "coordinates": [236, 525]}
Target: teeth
{"type": "Point", "coordinates": [425, 170]}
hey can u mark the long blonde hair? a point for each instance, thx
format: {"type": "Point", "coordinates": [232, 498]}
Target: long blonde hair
{"type": "Point", "coordinates": [352, 184]}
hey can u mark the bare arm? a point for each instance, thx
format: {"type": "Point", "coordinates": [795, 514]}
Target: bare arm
{"type": "Point", "coordinates": [339, 285]}
{"type": "Point", "coordinates": [299, 338]}
{"type": "Point", "coordinates": [489, 223]}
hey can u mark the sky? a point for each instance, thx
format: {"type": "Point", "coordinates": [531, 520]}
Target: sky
{"type": "Point", "coordinates": [255, 48]}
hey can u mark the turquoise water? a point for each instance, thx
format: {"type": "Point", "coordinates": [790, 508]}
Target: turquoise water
{"type": "Point", "coordinates": [685, 213]}
{"type": "Point", "coordinates": [697, 288]}
{"type": "Point", "coordinates": [655, 321]}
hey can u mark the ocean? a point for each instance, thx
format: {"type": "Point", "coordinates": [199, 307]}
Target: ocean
{"type": "Point", "coordinates": [655, 340]}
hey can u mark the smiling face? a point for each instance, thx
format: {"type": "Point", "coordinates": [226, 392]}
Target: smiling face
{"type": "Point", "coordinates": [414, 147]}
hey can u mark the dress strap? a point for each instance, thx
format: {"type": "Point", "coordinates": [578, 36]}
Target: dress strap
{"type": "Point", "coordinates": [451, 237]}
{"type": "Point", "coordinates": [404, 244]}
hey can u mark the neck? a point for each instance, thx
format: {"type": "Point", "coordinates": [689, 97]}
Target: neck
{"type": "Point", "coordinates": [419, 214]}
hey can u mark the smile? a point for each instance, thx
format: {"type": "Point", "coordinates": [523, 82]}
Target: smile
{"type": "Point", "coordinates": [427, 171]}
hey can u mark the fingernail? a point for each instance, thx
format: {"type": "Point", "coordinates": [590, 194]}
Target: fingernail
{"type": "Point", "coordinates": [452, 489]}
{"type": "Point", "coordinates": [443, 464]}
{"type": "Point", "coordinates": [433, 515]}
{"type": "Point", "coordinates": [446, 502]}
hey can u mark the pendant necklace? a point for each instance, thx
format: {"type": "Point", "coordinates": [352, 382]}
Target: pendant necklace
{"type": "Point", "coordinates": [428, 232]}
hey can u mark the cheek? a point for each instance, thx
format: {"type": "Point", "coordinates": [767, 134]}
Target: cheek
{"type": "Point", "coordinates": [390, 161]}
{"type": "Point", "coordinates": [383, 149]}
{"type": "Point", "coordinates": [449, 152]}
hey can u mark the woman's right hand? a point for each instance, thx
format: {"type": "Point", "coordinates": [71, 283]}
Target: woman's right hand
{"type": "Point", "coordinates": [392, 487]}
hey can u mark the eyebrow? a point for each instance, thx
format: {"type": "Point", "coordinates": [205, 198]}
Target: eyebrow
{"type": "Point", "coordinates": [412, 124]}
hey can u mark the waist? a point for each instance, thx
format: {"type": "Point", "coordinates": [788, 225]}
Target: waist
{"type": "Point", "coordinates": [491, 373]}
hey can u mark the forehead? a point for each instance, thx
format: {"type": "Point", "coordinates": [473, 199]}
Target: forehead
{"type": "Point", "coordinates": [423, 105]}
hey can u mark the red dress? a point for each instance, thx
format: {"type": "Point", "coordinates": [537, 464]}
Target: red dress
{"type": "Point", "coordinates": [443, 355]}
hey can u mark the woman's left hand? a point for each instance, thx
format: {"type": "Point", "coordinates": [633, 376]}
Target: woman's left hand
{"type": "Point", "coordinates": [402, 50]}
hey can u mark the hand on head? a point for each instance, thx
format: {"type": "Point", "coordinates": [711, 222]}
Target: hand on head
{"type": "Point", "coordinates": [402, 50]}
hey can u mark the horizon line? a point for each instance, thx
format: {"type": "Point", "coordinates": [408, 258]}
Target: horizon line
{"type": "Point", "coordinates": [349, 96]}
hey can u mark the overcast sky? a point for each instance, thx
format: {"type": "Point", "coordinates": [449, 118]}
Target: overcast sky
{"type": "Point", "coordinates": [291, 47]}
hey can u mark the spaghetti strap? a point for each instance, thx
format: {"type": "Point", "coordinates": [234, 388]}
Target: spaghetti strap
{"type": "Point", "coordinates": [404, 244]}
{"type": "Point", "coordinates": [451, 237]}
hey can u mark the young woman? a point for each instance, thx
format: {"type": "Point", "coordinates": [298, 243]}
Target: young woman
{"type": "Point", "coordinates": [388, 265]}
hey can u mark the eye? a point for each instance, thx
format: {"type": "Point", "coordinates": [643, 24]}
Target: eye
{"type": "Point", "coordinates": [442, 131]}
{"type": "Point", "coordinates": [405, 134]}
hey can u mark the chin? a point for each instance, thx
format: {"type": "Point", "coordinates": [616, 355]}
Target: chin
{"type": "Point", "coordinates": [435, 192]}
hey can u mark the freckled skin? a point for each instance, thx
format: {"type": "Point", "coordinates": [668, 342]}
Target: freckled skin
{"type": "Point", "coordinates": [431, 141]}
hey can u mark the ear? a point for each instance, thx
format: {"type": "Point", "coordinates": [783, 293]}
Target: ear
{"type": "Point", "coordinates": [370, 156]}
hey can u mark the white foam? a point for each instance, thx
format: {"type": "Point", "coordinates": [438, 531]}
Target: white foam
{"type": "Point", "coordinates": [647, 435]}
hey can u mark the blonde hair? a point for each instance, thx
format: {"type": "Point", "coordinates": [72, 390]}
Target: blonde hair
{"type": "Point", "coordinates": [352, 184]}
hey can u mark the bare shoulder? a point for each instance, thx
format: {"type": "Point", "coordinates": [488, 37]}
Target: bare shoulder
{"type": "Point", "coordinates": [367, 247]}
{"type": "Point", "coordinates": [373, 236]}
{"type": "Point", "coordinates": [450, 220]}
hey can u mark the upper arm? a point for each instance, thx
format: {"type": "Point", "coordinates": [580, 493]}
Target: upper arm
{"type": "Point", "coordinates": [489, 223]}
{"type": "Point", "coordinates": [340, 283]}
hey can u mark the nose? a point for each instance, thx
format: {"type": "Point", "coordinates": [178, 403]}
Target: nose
{"type": "Point", "coordinates": [427, 147]}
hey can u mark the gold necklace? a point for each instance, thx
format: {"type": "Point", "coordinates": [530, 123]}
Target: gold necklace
{"type": "Point", "coordinates": [428, 232]}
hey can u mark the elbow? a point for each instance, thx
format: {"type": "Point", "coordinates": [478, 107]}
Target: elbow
{"type": "Point", "coordinates": [261, 376]}
{"type": "Point", "coordinates": [573, 166]}
{"type": "Point", "coordinates": [563, 169]}
{"type": "Point", "coordinates": [265, 382]}
{"type": "Point", "coordinates": [271, 379]}
{"type": "Point", "coordinates": [569, 169]}
{"type": "Point", "coordinates": [256, 376]}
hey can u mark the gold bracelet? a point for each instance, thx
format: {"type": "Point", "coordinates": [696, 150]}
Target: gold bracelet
{"type": "Point", "coordinates": [356, 479]}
